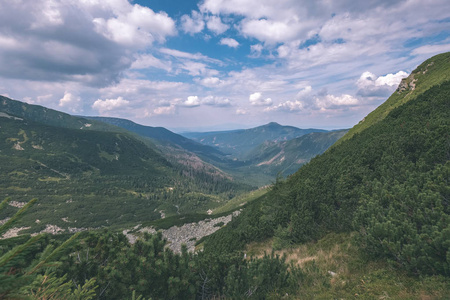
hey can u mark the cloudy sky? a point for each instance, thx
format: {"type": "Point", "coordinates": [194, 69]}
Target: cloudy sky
{"type": "Point", "coordinates": [216, 64]}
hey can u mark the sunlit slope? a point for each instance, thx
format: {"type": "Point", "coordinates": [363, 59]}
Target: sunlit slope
{"type": "Point", "coordinates": [430, 73]}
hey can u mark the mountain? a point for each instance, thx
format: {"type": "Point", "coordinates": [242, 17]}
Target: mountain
{"type": "Point", "coordinates": [388, 182]}
{"type": "Point", "coordinates": [161, 135]}
{"type": "Point", "coordinates": [86, 173]}
{"type": "Point", "coordinates": [238, 143]}
{"type": "Point", "coordinates": [278, 153]}
{"type": "Point", "coordinates": [287, 157]}
{"type": "Point", "coordinates": [432, 72]}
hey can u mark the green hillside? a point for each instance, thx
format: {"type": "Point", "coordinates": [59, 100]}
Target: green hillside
{"type": "Point", "coordinates": [162, 135]}
{"type": "Point", "coordinates": [238, 143]}
{"type": "Point", "coordinates": [88, 178]}
{"type": "Point", "coordinates": [432, 72]}
{"type": "Point", "coordinates": [388, 182]}
{"type": "Point", "coordinates": [285, 158]}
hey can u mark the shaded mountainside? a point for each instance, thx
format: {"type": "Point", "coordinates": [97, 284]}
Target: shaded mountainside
{"type": "Point", "coordinates": [389, 182]}
{"type": "Point", "coordinates": [161, 135]}
{"type": "Point", "coordinates": [47, 116]}
{"type": "Point", "coordinates": [90, 178]}
{"type": "Point", "coordinates": [288, 156]}
{"type": "Point", "coordinates": [239, 143]}
{"type": "Point", "coordinates": [278, 153]}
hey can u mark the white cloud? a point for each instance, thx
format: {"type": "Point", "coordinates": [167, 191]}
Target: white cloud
{"type": "Point", "coordinates": [194, 24]}
{"type": "Point", "coordinates": [91, 42]}
{"type": "Point", "coordinates": [432, 49]}
{"type": "Point", "coordinates": [256, 50]}
{"type": "Point", "coordinates": [331, 101]}
{"type": "Point", "coordinates": [215, 24]}
{"type": "Point", "coordinates": [165, 110]}
{"type": "Point", "coordinates": [270, 31]}
{"type": "Point", "coordinates": [372, 86]}
{"type": "Point", "coordinates": [288, 106]}
{"type": "Point", "coordinates": [145, 61]}
{"type": "Point", "coordinates": [109, 104]}
{"type": "Point", "coordinates": [216, 101]}
{"type": "Point", "coordinates": [138, 26]}
{"type": "Point", "coordinates": [241, 111]}
{"type": "Point", "coordinates": [70, 101]}
{"type": "Point", "coordinates": [192, 101]}
{"type": "Point", "coordinates": [187, 55]}
{"type": "Point", "coordinates": [229, 42]}
{"type": "Point", "coordinates": [210, 81]}
{"type": "Point", "coordinates": [256, 99]}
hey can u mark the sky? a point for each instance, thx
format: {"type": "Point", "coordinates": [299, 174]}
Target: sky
{"type": "Point", "coordinates": [216, 64]}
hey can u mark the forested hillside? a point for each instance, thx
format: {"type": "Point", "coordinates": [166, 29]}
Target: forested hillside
{"type": "Point", "coordinates": [389, 182]}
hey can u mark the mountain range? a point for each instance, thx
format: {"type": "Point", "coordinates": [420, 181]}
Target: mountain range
{"type": "Point", "coordinates": [91, 170]}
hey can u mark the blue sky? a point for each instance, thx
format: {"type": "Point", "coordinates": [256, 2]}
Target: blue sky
{"type": "Point", "coordinates": [216, 64]}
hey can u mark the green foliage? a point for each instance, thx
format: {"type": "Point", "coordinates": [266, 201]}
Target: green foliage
{"type": "Point", "coordinates": [433, 71]}
{"type": "Point", "coordinates": [389, 182]}
{"type": "Point", "coordinates": [49, 286]}
{"type": "Point", "coordinates": [95, 178]}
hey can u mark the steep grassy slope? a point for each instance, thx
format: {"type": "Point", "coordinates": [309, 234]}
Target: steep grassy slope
{"type": "Point", "coordinates": [390, 182]}
{"type": "Point", "coordinates": [430, 73]}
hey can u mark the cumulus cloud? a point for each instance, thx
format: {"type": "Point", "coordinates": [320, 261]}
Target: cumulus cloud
{"type": "Point", "coordinates": [215, 24]}
{"type": "Point", "coordinates": [288, 106]}
{"type": "Point", "coordinates": [210, 81]}
{"type": "Point", "coordinates": [256, 99]}
{"type": "Point", "coordinates": [109, 104]}
{"type": "Point", "coordinates": [300, 103]}
{"type": "Point", "coordinates": [192, 24]}
{"type": "Point", "coordinates": [306, 101]}
{"type": "Point", "coordinates": [191, 101]}
{"type": "Point", "coordinates": [137, 25]}
{"type": "Point", "coordinates": [70, 101]}
{"type": "Point", "coordinates": [372, 86]}
{"type": "Point", "coordinates": [229, 42]}
{"type": "Point", "coordinates": [87, 41]}
{"type": "Point", "coordinates": [332, 101]}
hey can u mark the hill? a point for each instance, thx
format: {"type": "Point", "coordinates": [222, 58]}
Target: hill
{"type": "Point", "coordinates": [287, 157]}
{"type": "Point", "coordinates": [238, 143]}
{"type": "Point", "coordinates": [91, 178]}
{"type": "Point", "coordinates": [162, 135]}
{"type": "Point", "coordinates": [388, 182]}
{"type": "Point", "coordinates": [433, 71]}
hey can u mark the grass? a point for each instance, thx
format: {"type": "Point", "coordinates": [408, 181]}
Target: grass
{"type": "Point", "coordinates": [334, 268]}
{"type": "Point", "coordinates": [432, 72]}
{"type": "Point", "coordinates": [240, 200]}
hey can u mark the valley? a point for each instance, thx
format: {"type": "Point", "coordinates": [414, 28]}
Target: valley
{"type": "Point", "coordinates": [268, 212]}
